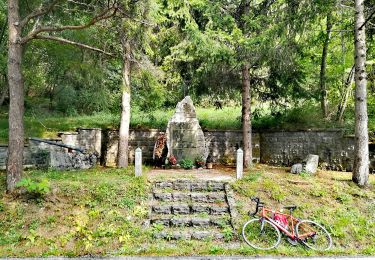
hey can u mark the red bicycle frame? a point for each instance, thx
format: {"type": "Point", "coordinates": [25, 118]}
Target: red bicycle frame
{"type": "Point", "coordinates": [308, 233]}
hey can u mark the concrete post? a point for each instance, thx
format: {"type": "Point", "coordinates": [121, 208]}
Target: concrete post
{"type": "Point", "coordinates": [138, 162]}
{"type": "Point", "coordinates": [239, 168]}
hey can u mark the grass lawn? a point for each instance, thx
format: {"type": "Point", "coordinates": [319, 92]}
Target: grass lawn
{"type": "Point", "coordinates": [101, 211]}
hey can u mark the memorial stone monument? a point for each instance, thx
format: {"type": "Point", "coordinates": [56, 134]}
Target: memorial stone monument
{"type": "Point", "coordinates": [185, 138]}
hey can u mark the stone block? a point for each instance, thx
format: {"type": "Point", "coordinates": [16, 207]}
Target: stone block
{"type": "Point", "coordinates": [182, 185]}
{"type": "Point", "coordinates": [163, 196]}
{"type": "Point", "coordinates": [215, 186]}
{"type": "Point", "coordinates": [179, 235]}
{"type": "Point", "coordinates": [201, 235]}
{"type": "Point", "coordinates": [181, 209]}
{"type": "Point", "coordinates": [162, 221]}
{"type": "Point", "coordinates": [200, 222]}
{"type": "Point", "coordinates": [181, 197]}
{"type": "Point", "coordinates": [312, 162]}
{"type": "Point", "coordinates": [199, 186]}
{"type": "Point", "coordinates": [296, 168]}
{"type": "Point", "coordinates": [162, 209]}
{"type": "Point", "coordinates": [216, 197]}
{"type": "Point", "coordinates": [163, 185]}
{"type": "Point", "coordinates": [218, 210]}
{"type": "Point", "coordinates": [200, 209]}
{"type": "Point", "coordinates": [199, 197]}
{"type": "Point", "coordinates": [181, 222]}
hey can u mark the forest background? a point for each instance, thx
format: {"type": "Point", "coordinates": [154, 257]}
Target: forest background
{"type": "Point", "coordinates": [300, 53]}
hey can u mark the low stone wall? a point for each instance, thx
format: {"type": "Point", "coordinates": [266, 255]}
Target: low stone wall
{"type": "Point", "coordinates": [219, 143]}
{"type": "Point", "coordinates": [335, 149]}
{"type": "Point", "coordinates": [44, 155]}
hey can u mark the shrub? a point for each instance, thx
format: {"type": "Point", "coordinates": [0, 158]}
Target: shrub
{"type": "Point", "coordinates": [186, 164]}
{"type": "Point", "coordinates": [36, 189]}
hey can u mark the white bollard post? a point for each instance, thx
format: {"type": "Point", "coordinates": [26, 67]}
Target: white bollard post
{"type": "Point", "coordinates": [239, 168]}
{"type": "Point", "coordinates": [138, 162]}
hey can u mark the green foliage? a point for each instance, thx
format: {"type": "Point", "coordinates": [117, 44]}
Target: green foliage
{"type": "Point", "coordinates": [186, 164]}
{"type": "Point", "coordinates": [35, 188]}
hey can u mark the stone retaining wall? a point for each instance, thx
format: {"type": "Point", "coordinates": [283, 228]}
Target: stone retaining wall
{"type": "Point", "coordinates": [220, 144]}
{"type": "Point", "coordinates": [279, 148]}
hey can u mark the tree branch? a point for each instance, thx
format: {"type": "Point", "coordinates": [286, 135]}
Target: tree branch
{"type": "Point", "coordinates": [367, 20]}
{"type": "Point", "coordinates": [77, 44]}
{"type": "Point", "coordinates": [39, 12]}
{"type": "Point", "coordinates": [102, 16]}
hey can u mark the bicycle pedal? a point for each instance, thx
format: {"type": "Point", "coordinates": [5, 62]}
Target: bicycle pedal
{"type": "Point", "coordinates": [292, 242]}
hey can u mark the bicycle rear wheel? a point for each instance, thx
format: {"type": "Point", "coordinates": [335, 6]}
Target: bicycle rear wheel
{"type": "Point", "coordinates": [313, 235]}
{"type": "Point", "coordinates": [261, 234]}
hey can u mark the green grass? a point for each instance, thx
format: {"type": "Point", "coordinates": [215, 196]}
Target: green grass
{"type": "Point", "coordinates": [330, 198]}
{"type": "Point", "coordinates": [101, 212]}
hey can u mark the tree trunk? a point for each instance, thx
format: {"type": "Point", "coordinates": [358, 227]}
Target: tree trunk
{"type": "Point", "coordinates": [123, 157]}
{"type": "Point", "coordinates": [323, 68]}
{"type": "Point", "coordinates": [345, 95]}
{"type": "Point", "coordinates": [246, 116]}
{"type": "Point", "coordinates": [16, 96]}
{"type": "Point", "coordinates": [361, 153]}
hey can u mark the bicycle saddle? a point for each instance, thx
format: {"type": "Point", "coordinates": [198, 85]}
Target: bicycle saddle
{"type": "Point", "coordinates": [290, 207]}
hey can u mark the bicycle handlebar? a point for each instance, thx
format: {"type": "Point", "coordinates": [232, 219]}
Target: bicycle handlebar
{"type": "Point", "coordinates": [259, 204]}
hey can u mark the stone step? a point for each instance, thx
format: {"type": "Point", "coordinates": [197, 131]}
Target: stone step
{"type": "Point", "coordinates": [186, 209]}
{"type": "Point", "coordinates": [190, 221]}
{"type": "Point", "coordinates": [189, 185]}
{"type": "Point", "coordinates": [199, 197]}
{"type": "Point", "coordinates": [187, 234]}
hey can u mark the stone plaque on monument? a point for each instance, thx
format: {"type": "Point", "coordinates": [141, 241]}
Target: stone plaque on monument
{"type": "Point", "coordinates": [185, 138]}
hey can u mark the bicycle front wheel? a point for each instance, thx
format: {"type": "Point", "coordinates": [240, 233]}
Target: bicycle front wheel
{"type": "Point", "coordinates": [261, 234]}
{"type": "Point", "coordinates": [313, 235]}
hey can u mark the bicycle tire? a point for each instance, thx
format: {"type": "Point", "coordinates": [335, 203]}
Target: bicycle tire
{"type": "Point", "coordinates": [258, 233]}
{"type": "Point", "coordinates": [322, 234]}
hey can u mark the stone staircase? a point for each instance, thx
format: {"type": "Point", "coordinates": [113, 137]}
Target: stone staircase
{"type": "Point", "coordinates": [191, 209]}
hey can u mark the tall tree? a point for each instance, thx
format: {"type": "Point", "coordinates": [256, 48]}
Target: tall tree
{"type": "Point", "coordinates": [132, 33]}
{"type": "Point", "coordinates": [242, 14]}
{"type": "Point", "coordinates": [19, 34]}
{"type": "Point", "coordinates": [123, 155]}
{"type": "Point", "coordinates": [323, 68]}
{"type": "Point", "coordinates": [361, 152]}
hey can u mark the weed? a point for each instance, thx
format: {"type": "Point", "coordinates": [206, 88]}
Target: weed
{"type": "Point", "coordinates": [252, 177]}
{"type": "Point", "coordinates": [216, 250]}
{"type": "Point", "coordinates": [36, 189]}
{"type": "Point", "coordinates": [228, 233]}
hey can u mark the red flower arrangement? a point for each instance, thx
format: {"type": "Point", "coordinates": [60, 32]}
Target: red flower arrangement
{"type": "Point", "coordinates": [172, 160]}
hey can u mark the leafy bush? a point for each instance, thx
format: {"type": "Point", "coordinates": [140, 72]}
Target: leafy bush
{"type": "Point", "coordinates": [199, 161]}
{"type": "Point", "coordinates": [186, 164]}
{"type": "Point", "coordinates": [35, 188]}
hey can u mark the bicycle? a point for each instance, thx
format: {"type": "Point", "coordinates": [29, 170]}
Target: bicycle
{"type": "Point", "coordinates": [264, 233]}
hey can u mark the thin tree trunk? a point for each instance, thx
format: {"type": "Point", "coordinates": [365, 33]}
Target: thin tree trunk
{"type": "Point", "coordinates": [361, 152]}
{"type": "Point", "coordinates": [4, 92]}
{"type": "Point", "coordinates": [2, 32]}
{"type": "Point", "coordinates": [323, 68]}
{"type": "Point", "coordinates": [16, 96]}
{"type": "Point", "coordinates": [246, 116]}
{"type": "Point", "coordinates": [345, 96]}
{"type": "Point", "coordinates": [125, 107]}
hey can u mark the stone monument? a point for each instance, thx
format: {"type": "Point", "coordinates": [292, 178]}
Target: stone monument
{"type": "Point", "coordinates": [185, 138]}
